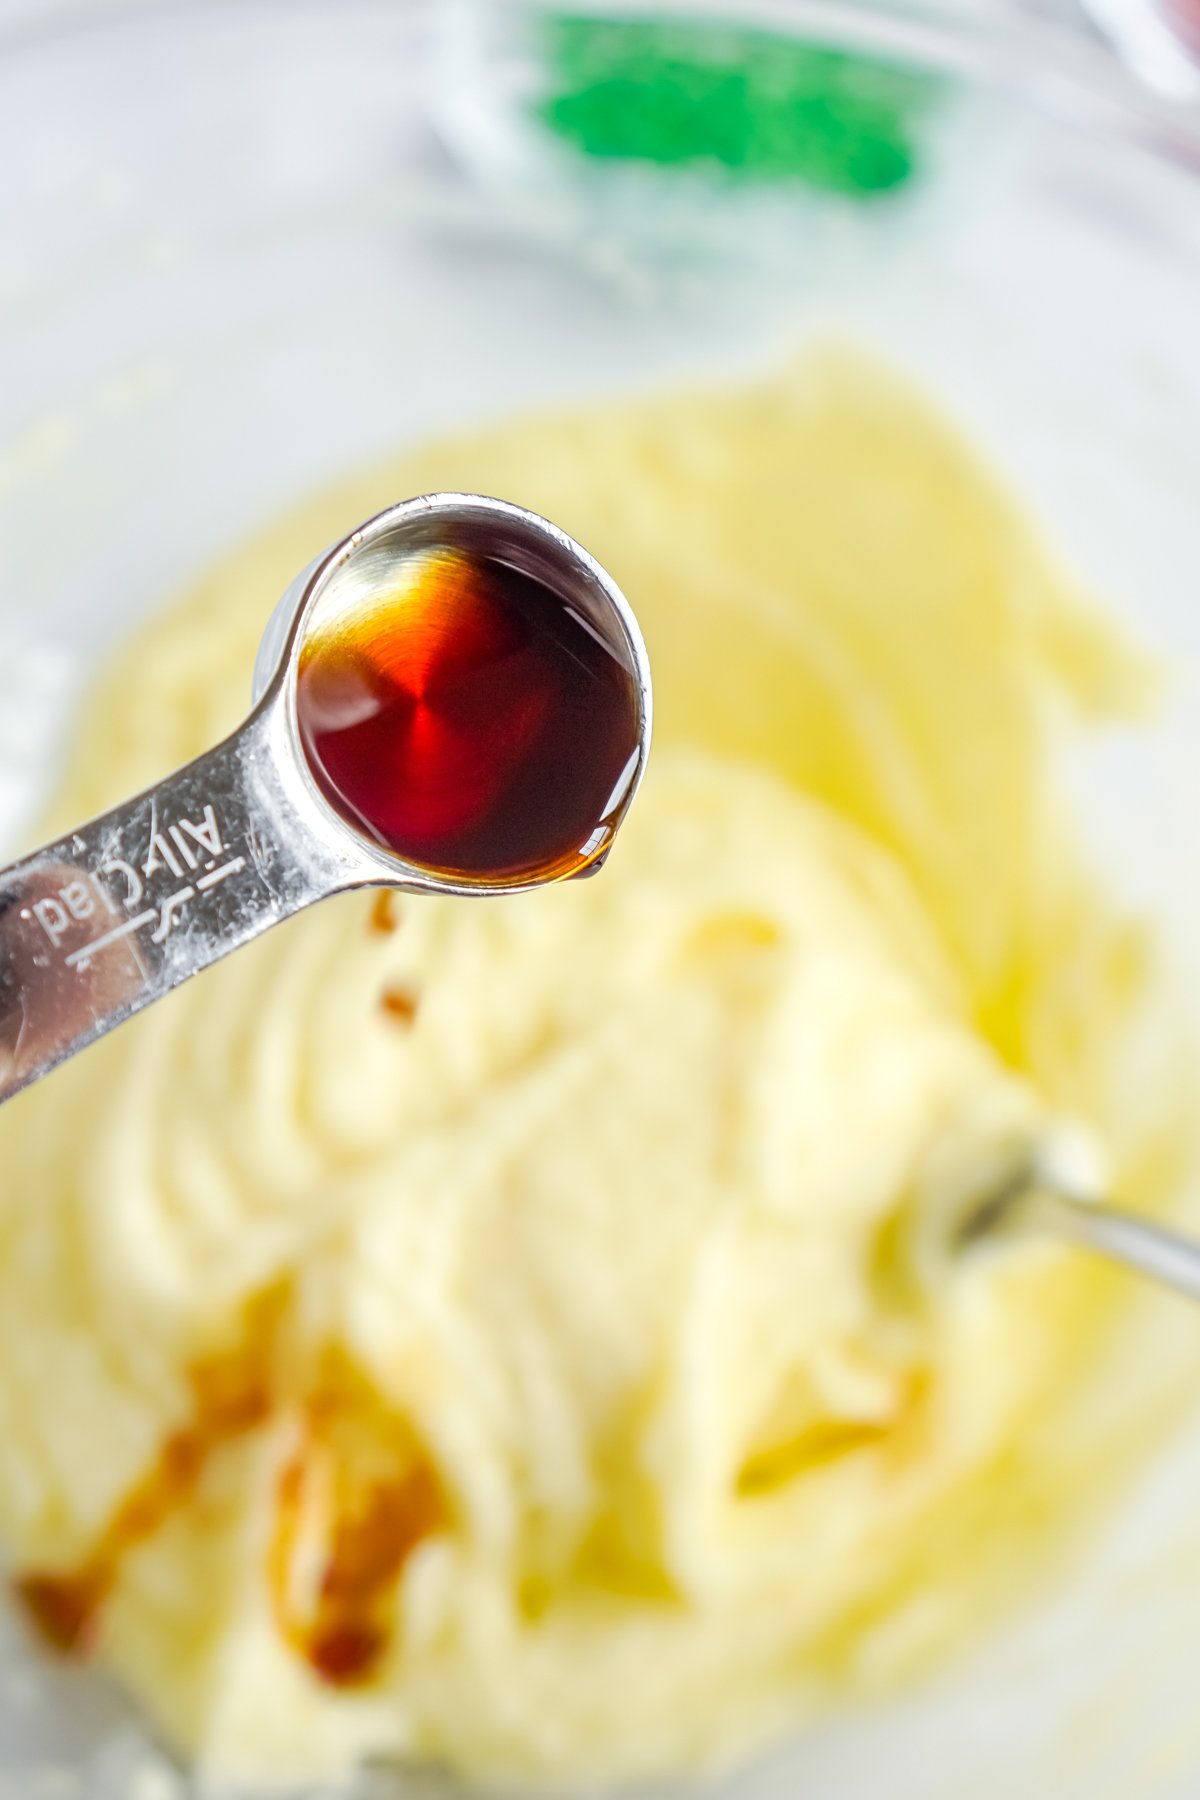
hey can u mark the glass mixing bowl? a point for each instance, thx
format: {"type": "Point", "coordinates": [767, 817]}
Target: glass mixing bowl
{"type": "Point", "coordinates": [246, 246]}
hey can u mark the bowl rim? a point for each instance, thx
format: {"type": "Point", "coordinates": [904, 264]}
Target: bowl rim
{"type": "Point", "coordinates": [1047, 63]}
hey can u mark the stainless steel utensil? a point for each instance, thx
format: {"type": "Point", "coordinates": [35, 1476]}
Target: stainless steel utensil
{"type": "Point", "coordinates": [109, 918]}
{"type": "Point", "coordinates": [1059, 1187]}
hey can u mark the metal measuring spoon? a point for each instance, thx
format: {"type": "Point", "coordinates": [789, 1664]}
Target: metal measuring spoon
{"type": "Point", "coordinates": [109, 918]}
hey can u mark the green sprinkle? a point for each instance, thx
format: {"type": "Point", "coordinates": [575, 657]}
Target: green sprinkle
{"type": "Point", "coordinates": [764, 107]}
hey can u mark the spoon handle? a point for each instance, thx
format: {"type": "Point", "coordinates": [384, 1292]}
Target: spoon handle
{"type": "Point", "coordinates": [1165, 1256]}
{"type": "Point", "coordinates": [109, 918]}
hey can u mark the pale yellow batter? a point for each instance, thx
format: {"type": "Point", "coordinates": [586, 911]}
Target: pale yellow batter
{"type": "Point", "coordinates": [516, 1334]}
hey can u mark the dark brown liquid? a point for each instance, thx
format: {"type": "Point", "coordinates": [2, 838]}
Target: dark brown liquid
{"type": "Point", "coordinates": [231, 1398]}
{"type": "Point", "coordinates": [357, 1495]}
{"type": "Point", "coordinates": [471, 723]}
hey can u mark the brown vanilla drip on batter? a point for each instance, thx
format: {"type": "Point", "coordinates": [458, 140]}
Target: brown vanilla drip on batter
{"type": "Point", "coordinates": [472, 723]}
